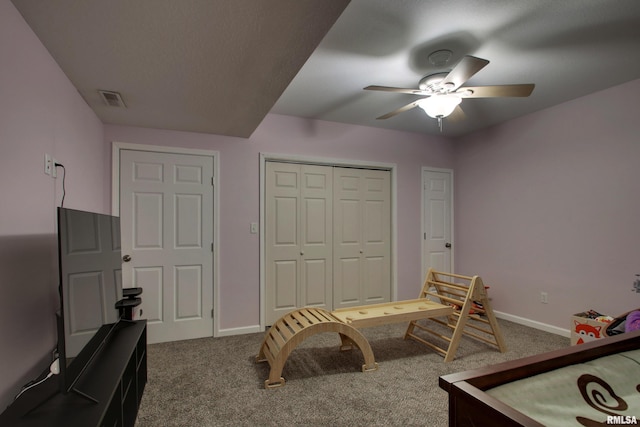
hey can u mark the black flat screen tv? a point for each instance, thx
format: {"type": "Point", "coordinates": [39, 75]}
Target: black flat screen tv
{"type": "Point", "coordinates": [90, 267]}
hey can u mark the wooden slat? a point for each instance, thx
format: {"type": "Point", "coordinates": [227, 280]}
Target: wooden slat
{"type": "Point", "coordinates": [479, 310]}
{"type": "Point", "coordinates": [454, 293]}
{"type": "Point", "coordinates": [480, 320]}
{"type": "Point", "coordinates": [428, 344]}
{"type": "Point", "coordinates": [278, 338]}
{"type": "Point", "coordinates": [272, 344]}
{"type": "Point", "coordinates": [458, 276]}
{"type": "Point", "coordinates": [452, 300]}
{"type": "Point", "coordinates": [292, 323]}
{"type": "Point", "coordinates": [282, 328]}
{"type": "Point", "coordinates": [432, 332]}
{"type": "Point", "coordinates": [310, 314]}
{"type": "Point", "coordinates": [304, 322]}
{"type": "Point", "coordinates": [440, 322]}
{"type": "Point", "coordinates": [479, 329]}
{"type": "Point", "coordinates": [321, 316]}
{"type": "Point", "coordinates": [457, 286]}
{"type": "Point", "coordinates": [481, 338]}
{"type": "Point", "coordinates": [472, 317]}
{"type": "Point", "coordinates": [268, 353]}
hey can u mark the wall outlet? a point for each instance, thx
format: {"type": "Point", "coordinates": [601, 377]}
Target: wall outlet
{"type": "Point", "coordinates": [48, 164]}
{"type": "Point", "coordinates": [253, 228]}
{"type": "Point", "coordinates": [54, 169]}
{"type": "Point", "coordinates": [544, 297]}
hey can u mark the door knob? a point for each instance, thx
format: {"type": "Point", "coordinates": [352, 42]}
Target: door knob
{"type": "Point", "coordinates": [301, 252]}
{"type": "Point", "coordinates": [126, 258]}
{"type": "Point", "coordinates": [447, 245]}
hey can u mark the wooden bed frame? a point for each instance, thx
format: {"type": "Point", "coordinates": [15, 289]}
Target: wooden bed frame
{"type": "Point", "coordinates": [469, 405]}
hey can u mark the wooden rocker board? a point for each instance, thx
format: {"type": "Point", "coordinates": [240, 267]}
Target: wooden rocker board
{"type": "Point", "coordinates": [455, 304]}
{"type": "Point", "coordinates": [294, 327]}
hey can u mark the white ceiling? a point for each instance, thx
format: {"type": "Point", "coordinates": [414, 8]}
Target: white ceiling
{"type": "Point", "coordinates": [220, 66]}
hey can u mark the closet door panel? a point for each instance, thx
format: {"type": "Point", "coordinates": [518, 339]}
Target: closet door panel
{"type": "Point", "coordinates": [347, 215]}
{"type": "Point", "coordinates": [316, 250]}
{"type": "Point", "coordinates": [362, 237]}
{"type": "Point", "coordinates": [282, 237]}
{"type": "Point", "coordinates": [376, 231]}
{"type": "Point", "coordinates": [298, 238]}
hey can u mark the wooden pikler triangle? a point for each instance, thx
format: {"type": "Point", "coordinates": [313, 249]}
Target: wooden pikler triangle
{"type": "Point", "coordinates": [472, 315]}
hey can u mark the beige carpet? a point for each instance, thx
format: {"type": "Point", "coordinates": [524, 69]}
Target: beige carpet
{"type": "Point", "coordinates": [216, 382]}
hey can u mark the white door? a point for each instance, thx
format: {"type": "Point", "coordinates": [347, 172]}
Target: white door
{"type": "Point", "coordinates": [91, 269]}
{"type": "Point", "coordinates": [362, 237]}
{"type": "Point", "coordinates": [436, 221]}
{"type": "Point", "coordinates": [298, 238]}
{"type": "Point", "coordinates": [166, 212]}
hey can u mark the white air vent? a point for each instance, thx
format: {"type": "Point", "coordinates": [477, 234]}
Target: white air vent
{"type": "Point", "coordinates": [112, 99]}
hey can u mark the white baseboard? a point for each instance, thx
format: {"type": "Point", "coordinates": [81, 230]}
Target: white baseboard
{"type": "Point", "coordinates": [239, 331]}
{"type": "Point", "coordinates": [533, 324]}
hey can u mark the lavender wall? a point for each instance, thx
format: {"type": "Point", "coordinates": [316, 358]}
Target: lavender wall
{"type": "Point", "coordinates": [548, 202]}
{"type": "Point", "coordinates": [239, 191]}
{"type": "Point", "coordinates": [551, 202]}
{"type": "Point", "coordinates": [40, 112]}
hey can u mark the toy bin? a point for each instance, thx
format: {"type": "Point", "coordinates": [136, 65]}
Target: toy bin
{"type": "Point", "coordinates": [589, 326]}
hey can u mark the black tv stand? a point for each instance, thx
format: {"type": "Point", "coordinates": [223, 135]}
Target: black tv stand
{"type": "Point", "coordinates": [85, 395]}
{"type": "Point", "coordinates": [115, 379]}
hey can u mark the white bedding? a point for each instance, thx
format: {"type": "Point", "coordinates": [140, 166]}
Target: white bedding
{"type": "Point", "coordinates": [605, 391]}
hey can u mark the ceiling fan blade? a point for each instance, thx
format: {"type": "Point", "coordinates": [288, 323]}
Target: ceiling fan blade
{"type": "Point", "coordinates": [399, 110]}
{"type": "Point", "coordinates": [457, 115]}
{"type": "Point", "coordinates": [467, 67]}
{"type": "Point", "coordinates": [496, 91]}
{"type": "Point", "coordinates": [394, 89]}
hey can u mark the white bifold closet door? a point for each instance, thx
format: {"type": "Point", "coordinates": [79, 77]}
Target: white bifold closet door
{"type": "Point", "coordinates": [328, 233]}
{"type": "Point", "coordinates": [362, 237]}
{"type": "Point", "coordinates": [298, 238]}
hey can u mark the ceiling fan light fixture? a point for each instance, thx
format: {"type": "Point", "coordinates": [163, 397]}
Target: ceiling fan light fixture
{"type": "Point", "coordinates": [439, 106]}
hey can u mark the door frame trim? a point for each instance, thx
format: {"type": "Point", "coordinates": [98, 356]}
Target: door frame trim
{"type": "Point", "coordinates": [115, 203]}
{"type": "Point", "coordinates": [423, 227]}
{"type": "Point", "coordinates": [324, 161]}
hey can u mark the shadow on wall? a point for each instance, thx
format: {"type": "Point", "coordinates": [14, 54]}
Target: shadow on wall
{"type": "Point", "coordinates": [28, 302]}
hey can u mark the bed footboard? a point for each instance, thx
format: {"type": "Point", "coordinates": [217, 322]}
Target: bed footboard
{"type": "Point", "coordinates": [470, 405]}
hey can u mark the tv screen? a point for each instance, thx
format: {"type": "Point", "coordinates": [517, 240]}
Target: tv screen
{"type": "Point", "coordinates": [90, 267]}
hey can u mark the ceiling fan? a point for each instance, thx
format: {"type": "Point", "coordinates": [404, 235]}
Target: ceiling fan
{"type": "Point", "coordinates": [443, 92]}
